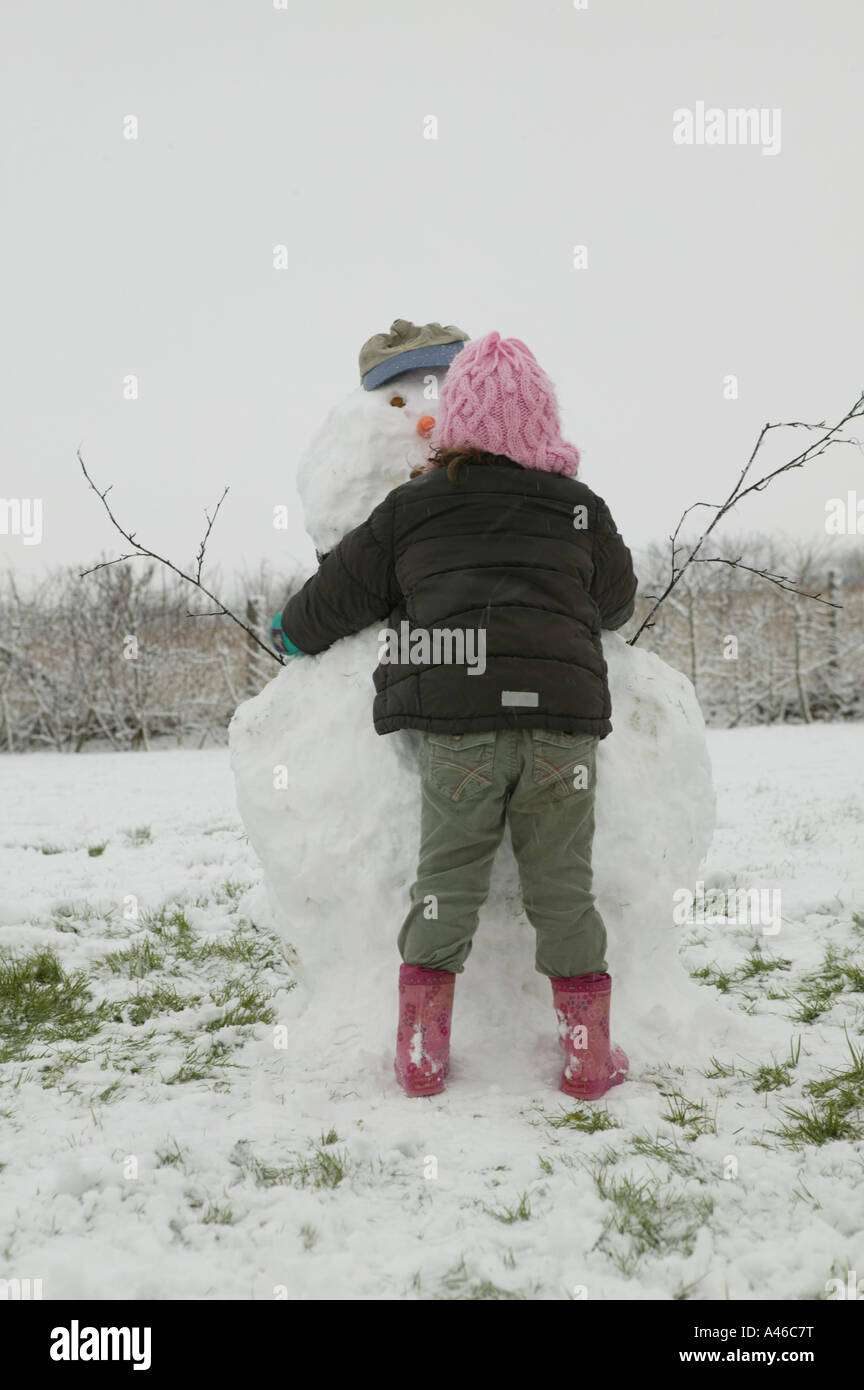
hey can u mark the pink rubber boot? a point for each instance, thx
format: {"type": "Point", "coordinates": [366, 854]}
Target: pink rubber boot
{"type": "Point", "coordinates": [592, 1065]}
{"type": "Point", "coordinates": [423, 1035]}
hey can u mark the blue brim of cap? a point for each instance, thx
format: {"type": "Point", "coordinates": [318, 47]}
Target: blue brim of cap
{"type": "Point", "coordinates": [435, 355]}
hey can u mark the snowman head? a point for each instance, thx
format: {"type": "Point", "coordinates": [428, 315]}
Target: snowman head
{"type": "Point", "coordinates": [371, 441]}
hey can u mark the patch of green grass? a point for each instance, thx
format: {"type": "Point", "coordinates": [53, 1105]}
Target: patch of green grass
{"type": "Point", "coordinates": [811, 1008]}
{"type": "Point", "coordinates": [161, 999]}
{"type": "Point", "coordinates": [583, 1118]}
{"type": "Point", "coordinates": [200, 1064]}
{"type": "Point", "coordinates": [520, 1212]}
{"type": "Point", "coordinates": [647, 1217]}
{"type": "Point", "coordinates": [109, 1093]}
{"type": "Point", "coordinates": [836, 1109]}
{"type": "Point", "coordinates": [773, 1075]}
{"type": "Point", "coordinates": [757, 964]}
{"type": "Point", "coordinates": [42, 1003]}
{"type": "Point", "coordinates": [130, 1055]}
{"type": "Point", "coordinates": [854, 976]}
{"type": "Point", "coordinates": [95, 851]}
{"type": "Point", "coordinates": [713, 976]}
{"type": "Point", "coordinates": [46, 1012]}
{"type": "Point", "coordinates": [66, 925]}
{"type": "Point", "coordinates": [266, 1174]}
{"type": "Point", "coordinates": [140, 959]}
{"type": "Point", "coordinates": [248, 1006]}
{"type": "Point", "coordinates": [170, 925]}
{"type": "Point", "coordinates": [853, 1076]}
{"type": "Point", "coordinates": [691, 1116]}
{"type": "Point", "coordinates": [244, 947]}
{"type": "Point", "coordinates": [309, 1237]}
{"type": "Point", "coordinates": [54, 1073]}
{"type": "Point", "coordinates": [717, 1069]}
{"type": "Point", "coordinates": [457, 1284]}
{"type": "Point", "coordinates": [802, 1193]}
{"type": "Point", "coordinates": [140, 835]}
{"type": "Point", "coordinates": [683, 1291]}
{"type": "Point", "coordinates": [823, 1123]}
{"type": "Point", "coordinates": [230, 891]}
{"type": "Point", "coordinates": [667, 1149]}
{"type": "Point", "coordinates": [169, 1158]}
{"type": "Point", "coordinates": [322, 1168]}
{"type": "Point", "coordinates": [65, 915]}
{"type": "Point", "coordinates": [112, 1054]}
{"type": "Point", "coordinates": [218, 1216]}
{"type": "Point", "coordinates": [839, 973]}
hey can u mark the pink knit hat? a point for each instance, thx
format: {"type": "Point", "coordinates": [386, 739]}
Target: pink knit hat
{"type": "Point", "coordinates": [497, 397]}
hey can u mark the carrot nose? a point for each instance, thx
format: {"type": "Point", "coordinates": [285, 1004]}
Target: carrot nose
{"type": "Point", "coordinates": [425, 423]}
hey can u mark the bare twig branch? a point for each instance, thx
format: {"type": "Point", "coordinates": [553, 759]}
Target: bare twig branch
{"type": "Point", "coordinates": [142, 550]}
{"type": "Point", "coordinates": [781, 580]}
{"type": "Point", "coordinates": [829, 436]}
{"type": "Point", "coordinates": [202, 547]}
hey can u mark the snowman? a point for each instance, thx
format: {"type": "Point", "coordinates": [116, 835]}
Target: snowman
{"type": "Point", "coordinates": [332, 808]}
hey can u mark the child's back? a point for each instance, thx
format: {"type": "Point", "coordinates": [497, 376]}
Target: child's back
{"type": "Point", "coordinates": [504, 578]}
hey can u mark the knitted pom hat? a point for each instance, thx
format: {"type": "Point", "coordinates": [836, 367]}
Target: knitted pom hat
{"type": "Point", "coordinates": [497, 397]}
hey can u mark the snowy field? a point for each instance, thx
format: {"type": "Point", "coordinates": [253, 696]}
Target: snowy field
{"type": "Point", "coordinates": [157, 1145]}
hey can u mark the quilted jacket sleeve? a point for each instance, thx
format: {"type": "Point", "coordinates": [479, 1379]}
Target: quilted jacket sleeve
{"type": "Point", "coordinates": [354, 586]}
{"type": "Point", "coordinates": [613, 587]}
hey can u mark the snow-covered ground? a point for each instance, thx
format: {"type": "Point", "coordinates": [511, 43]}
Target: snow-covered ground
{"type": "Point", "coordinates": [166, 1134]}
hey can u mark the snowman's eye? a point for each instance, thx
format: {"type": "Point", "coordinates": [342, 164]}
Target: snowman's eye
{"type": "Point", "coordinates": [397, 400]}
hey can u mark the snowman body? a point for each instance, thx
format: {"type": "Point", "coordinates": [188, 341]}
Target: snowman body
{"type": "Point", "coordinates": [333, 809]}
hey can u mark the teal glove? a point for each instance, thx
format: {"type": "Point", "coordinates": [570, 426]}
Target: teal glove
{"type": "Point", "coordinates": [280, 641]}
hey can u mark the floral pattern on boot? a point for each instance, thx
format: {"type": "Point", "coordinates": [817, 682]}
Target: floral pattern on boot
{"type": "Point", "coordinates": [592, 1063]}
{"type": "Point", "coordinates": [422, 1059]}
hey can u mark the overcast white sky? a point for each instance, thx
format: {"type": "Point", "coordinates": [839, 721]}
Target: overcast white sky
{"type": "Point", "coordinates": [304, 126]}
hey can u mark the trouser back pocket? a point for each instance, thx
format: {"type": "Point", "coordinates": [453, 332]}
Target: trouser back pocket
{"type": "Point", "coordinates": [459, 765]}
{"type": "Point", "coordinates": [562, 764]}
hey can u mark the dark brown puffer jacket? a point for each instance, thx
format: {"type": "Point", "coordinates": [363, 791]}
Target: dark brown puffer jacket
{"type": "Point", "coordinates": [528, 563]}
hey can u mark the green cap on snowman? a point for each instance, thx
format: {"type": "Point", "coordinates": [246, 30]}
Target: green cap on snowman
{"type": "Point", "coordinates": [405, 347]}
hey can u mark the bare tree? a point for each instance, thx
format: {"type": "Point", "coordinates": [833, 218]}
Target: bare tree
{"type": "Point", "coordinates": [195, 579]}
{"type": "Point", "coordinates": [831, 434]}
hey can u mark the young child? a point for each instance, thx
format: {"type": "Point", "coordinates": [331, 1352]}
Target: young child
{"type": "Point", "coordinates": [500, 568]}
